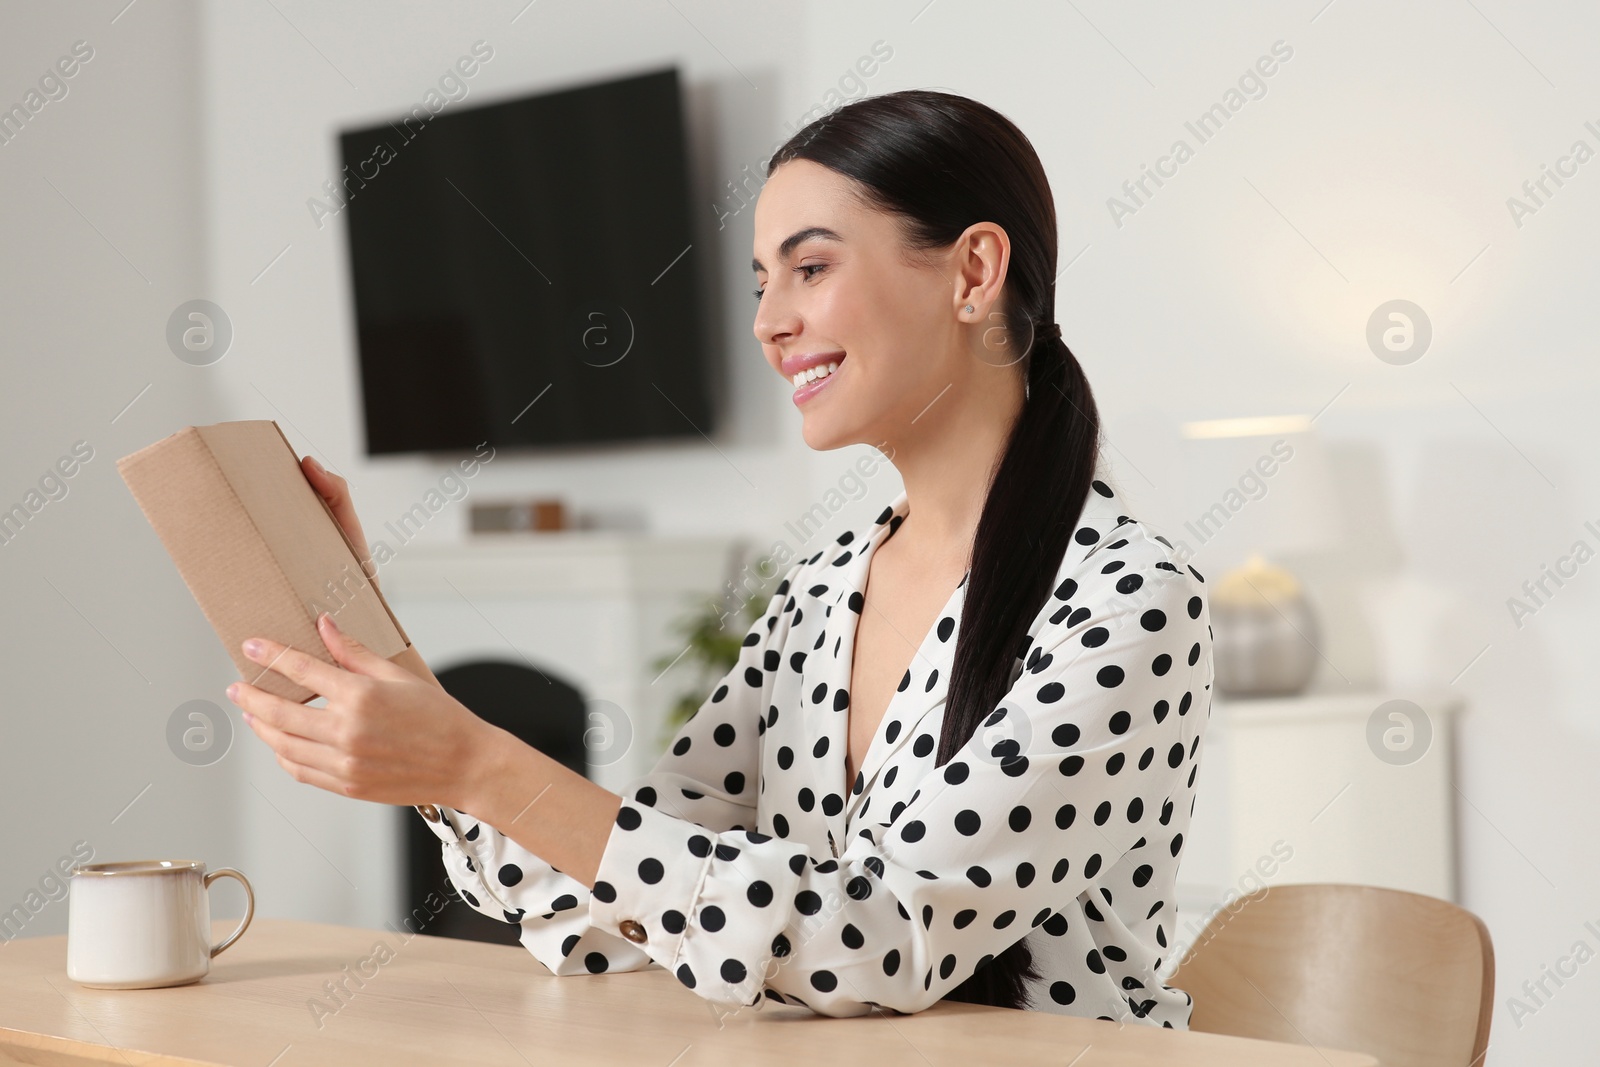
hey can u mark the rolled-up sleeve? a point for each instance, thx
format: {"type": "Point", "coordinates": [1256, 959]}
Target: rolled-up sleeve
{"type": "Point", "coordinates": [706, 779]}
{"type": "Point", "coordinates": [989, 846]}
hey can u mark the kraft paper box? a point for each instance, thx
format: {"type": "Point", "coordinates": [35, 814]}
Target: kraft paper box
{"type": "Point", "coordinates": [257, 545]}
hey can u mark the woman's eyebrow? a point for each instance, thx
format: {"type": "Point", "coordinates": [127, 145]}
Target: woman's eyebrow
{"type": "Point", "coordinates": [793, 240]}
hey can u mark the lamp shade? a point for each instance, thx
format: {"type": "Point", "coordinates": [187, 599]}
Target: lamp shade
{"type": "Point", "coordinates": [1257, 485]}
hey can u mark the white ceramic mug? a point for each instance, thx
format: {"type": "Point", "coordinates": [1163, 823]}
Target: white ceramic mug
{"type": "Point", "coordinates": [139, 924]}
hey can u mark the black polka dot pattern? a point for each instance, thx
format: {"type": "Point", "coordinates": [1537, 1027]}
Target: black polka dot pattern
{"type": "Point", "coordinates": [758, 872]}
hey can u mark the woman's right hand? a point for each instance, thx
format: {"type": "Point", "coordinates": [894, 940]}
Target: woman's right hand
{"type": "Point", "coordinates": [335, 491]}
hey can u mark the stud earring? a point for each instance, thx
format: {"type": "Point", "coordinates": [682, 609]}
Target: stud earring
{"type": "Point", "coordinates": [967, 309]}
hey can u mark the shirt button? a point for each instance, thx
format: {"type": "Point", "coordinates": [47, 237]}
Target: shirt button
{"type": "Point", "coordinates": [632, 931]}
{"type": "Point", "coordinates": [429, 812]}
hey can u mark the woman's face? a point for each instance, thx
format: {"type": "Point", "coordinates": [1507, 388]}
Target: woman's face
{"type": "Point", "coordinates": [837, 285]}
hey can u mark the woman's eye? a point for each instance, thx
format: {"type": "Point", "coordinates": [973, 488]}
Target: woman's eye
{"type": "Point", "coordinates": [804, 268]}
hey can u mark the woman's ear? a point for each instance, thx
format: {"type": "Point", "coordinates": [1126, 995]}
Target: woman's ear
{"type": "Point", "coordinates": [980, 258]}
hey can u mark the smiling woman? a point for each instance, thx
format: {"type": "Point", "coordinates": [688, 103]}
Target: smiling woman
{"type": "Point", "coordinates": [956, 758]}
{"type": "Point", "coordinates": [886, 278]}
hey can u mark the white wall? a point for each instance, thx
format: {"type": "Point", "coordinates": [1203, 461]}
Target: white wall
{"type": "Point", "coordinates": [1377, 165]}
{"type": "Point", "coordinates": [101, 230]}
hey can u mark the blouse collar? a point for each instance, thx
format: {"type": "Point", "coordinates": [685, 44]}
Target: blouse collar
{"type": "Point", "coordinates": [842, 568]}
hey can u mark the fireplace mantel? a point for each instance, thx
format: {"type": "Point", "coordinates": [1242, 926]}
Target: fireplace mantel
{"type": "Point", "coordinates": [593, 607]}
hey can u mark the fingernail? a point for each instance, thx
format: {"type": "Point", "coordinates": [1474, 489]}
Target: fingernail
{"type": "Point", "coordinates": [314, 462]}
{"type": "Point", "coordinates": [249, 717]}
{"type": "Point", "coordinates": [252, 648]}
{"type": "Point", "coordinates": [233, 692]}
{"type": "Point", "coordinates": [327, 618]}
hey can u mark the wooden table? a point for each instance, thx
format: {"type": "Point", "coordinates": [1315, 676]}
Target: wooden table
{"type": "Point", "coordinates": [439, 1000]}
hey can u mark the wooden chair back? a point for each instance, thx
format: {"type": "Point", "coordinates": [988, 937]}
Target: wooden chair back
{"type": "Point", "coordinates": [1403, 977]}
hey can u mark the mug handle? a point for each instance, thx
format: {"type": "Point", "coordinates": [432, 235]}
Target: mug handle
{"type": "Point", "coordinates": [249, 904]}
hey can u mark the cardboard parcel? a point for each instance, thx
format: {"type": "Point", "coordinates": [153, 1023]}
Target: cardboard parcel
{"type": "Point", "coordinates": [257, 545]}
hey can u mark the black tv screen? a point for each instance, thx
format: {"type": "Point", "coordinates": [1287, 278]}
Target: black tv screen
{"type": "Point", "coordinates": [523, 272]}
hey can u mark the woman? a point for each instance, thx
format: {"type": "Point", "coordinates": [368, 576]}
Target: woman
{"type": "Point", "coordinates": [957, 756]}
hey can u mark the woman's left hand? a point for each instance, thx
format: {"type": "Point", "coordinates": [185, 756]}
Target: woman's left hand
{"type": "Point", "coordinates": [384, 736]}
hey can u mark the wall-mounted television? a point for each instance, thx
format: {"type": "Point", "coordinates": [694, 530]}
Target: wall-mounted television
{"type": "Point", "coordinates": [523, 272]}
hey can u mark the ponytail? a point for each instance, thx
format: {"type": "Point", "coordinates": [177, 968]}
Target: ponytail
{"type": "Point", "coordinates": [1035, 498]}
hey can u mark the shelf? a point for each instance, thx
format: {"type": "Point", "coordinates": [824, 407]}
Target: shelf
{"type": "Point", "coordinates": [562, 563]}
{"type": "Point", "coordinates": [1350, 705]}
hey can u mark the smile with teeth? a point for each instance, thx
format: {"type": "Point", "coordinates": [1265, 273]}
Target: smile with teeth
{"type": "Point", "coordinates": [811, 374]}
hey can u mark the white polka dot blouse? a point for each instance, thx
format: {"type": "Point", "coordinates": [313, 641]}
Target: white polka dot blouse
{"type": "Point", "coordinates": [739, 866]}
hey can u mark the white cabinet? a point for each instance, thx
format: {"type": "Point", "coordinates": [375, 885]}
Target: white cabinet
{"type": "Point", "coordinates": [1349, 787]}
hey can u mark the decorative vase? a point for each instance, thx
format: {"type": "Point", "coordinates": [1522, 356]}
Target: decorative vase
{"type": "Point", "coordinates": [1264, 632]}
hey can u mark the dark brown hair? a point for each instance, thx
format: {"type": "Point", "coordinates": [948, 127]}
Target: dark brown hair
{"type": "Point", "coordinates": [940, 163]}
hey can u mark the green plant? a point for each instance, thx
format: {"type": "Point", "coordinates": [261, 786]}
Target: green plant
{"type": "Point", "coordinates": [713, 644]}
